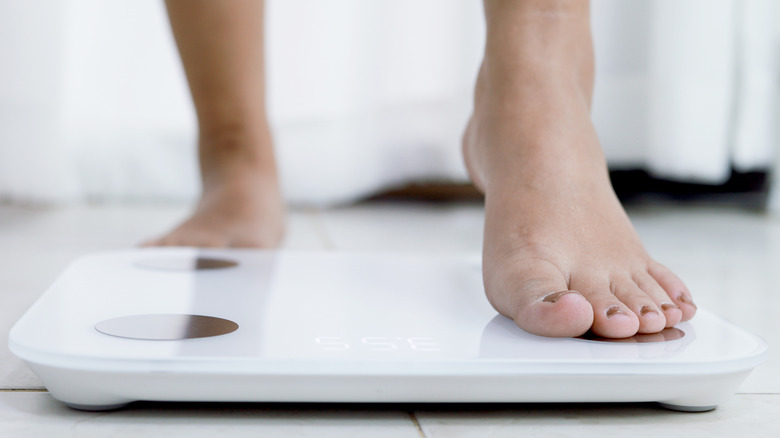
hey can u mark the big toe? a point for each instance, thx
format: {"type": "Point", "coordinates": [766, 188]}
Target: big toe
{"type": "Point", "coordinates": [536, 296]}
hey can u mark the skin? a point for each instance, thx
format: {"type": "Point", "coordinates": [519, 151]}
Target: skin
{"type": "Point", "coordinates": [560, 255]}
{"type": "Point", "coordinates": [221, 48]}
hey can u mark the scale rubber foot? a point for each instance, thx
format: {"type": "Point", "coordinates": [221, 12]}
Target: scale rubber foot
{"type": "Point", "coordinates": [683, 408]}
{"type": "Point", "coordinates": [93, 408]}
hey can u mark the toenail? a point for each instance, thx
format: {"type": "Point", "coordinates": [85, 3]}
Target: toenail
{"type": "Point", "coordinates": [686, 300]}
{"type": "Point", "coordinates": [646, 309]}
{"type": "Point", "coordinates": [555, 296]}
{"type": "Point", "coordinates": [614, 310]}
{"type": "Point", "coordinates": [669, 306]}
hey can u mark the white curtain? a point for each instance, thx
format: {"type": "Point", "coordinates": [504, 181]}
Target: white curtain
{"type": "Point", "coordinates": [366, 95]}
{"type": "Point", "coordinates": [687, 89]}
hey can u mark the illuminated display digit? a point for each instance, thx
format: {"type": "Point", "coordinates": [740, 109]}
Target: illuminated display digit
{"type": "Point", "coordinates": [378, 343]}
{"type": "Point", "coordinates": [423, 344]}
{"type": "Point", "coordinates": [332, 343]}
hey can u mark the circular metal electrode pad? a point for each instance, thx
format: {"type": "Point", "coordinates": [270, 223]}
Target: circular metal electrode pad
{"type": "Point", "coordinates": [166, 327]}
{"type": "Point", "coordinates": [174, 263]}
{"type": "Point", "coordinates": [665, 335]}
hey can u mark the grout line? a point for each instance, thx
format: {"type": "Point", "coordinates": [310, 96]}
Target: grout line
{"type": "Point", "coordinates": [416, 424]}
{"type": "Point", "coordinates": [315, 219]}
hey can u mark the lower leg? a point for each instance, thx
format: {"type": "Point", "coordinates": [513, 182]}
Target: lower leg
{"type": "Point", "coordinates": [221, 47]}
{"type": "Point", "coordinates": [560, 254]}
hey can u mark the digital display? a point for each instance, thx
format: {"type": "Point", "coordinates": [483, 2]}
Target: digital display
{"type": "Point", "coordinates": [377, 343]}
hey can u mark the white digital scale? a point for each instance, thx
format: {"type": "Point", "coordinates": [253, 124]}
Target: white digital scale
{"type": "Point", "coordinates": [282, 326]}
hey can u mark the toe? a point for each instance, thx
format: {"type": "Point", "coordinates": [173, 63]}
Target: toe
{"type": "Point", "coordinates": [534, 293]}
{"type": "Point", "coordinates": [650, 315]}
{"type": "Point", "coordinates": [648, 284]}
{"type": "Point", "coordinates": [611, 317]}
{"type": "Point", "coordinates": [675, 289]}
{"type": "Point", "coordinates": [672, 312]}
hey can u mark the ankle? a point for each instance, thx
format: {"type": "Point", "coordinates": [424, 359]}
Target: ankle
{"type": "Point", "coordinates": [538, 43]}
{"type": "Point", "coordinates": [548, 9]}
{"type": "Point", "coordinates": [531, 130]}
{"type": "Point", "coordinates": [236, 151]}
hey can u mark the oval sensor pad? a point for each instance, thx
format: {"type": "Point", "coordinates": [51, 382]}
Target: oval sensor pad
{"type": "Point", "coordinates": [174, 263]}
{"type": "Point", "coordinates": [166, 327]}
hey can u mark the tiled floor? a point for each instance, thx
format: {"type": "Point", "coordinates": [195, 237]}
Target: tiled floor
{"type": "Point", "coordinates": [729, 259]}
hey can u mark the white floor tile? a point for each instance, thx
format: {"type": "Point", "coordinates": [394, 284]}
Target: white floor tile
{"type": "Point", "coordinates": [25, 415]}
{"type": "Point", "coordinates": [744, 415]}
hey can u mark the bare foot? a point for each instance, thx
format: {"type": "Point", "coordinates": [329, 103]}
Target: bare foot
{"type": "Point", "coordinates": [560, 254]}
{"type": "Point", "coordinates": [241, 205]}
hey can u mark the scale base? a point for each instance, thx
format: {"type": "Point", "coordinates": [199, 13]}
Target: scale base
{"type": "Point", "coordinates": [100, 391]}
{"type": "Point", "coordinates": [189, 325]}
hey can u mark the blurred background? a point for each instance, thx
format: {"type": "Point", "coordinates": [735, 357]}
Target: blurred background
{"type": "Point", "coordinates": [94, 105]}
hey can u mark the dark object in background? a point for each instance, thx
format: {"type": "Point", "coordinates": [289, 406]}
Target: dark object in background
{"type": "Point", "coordinates": [742, 189]}
{"type": "Point", "coordinates": [633, 187]}
{"type": "Point", "coordinates": [431, 192]}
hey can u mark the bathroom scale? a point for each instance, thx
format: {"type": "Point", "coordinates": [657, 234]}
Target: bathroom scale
{"type": "Point", "coordinates": [183, 324]}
